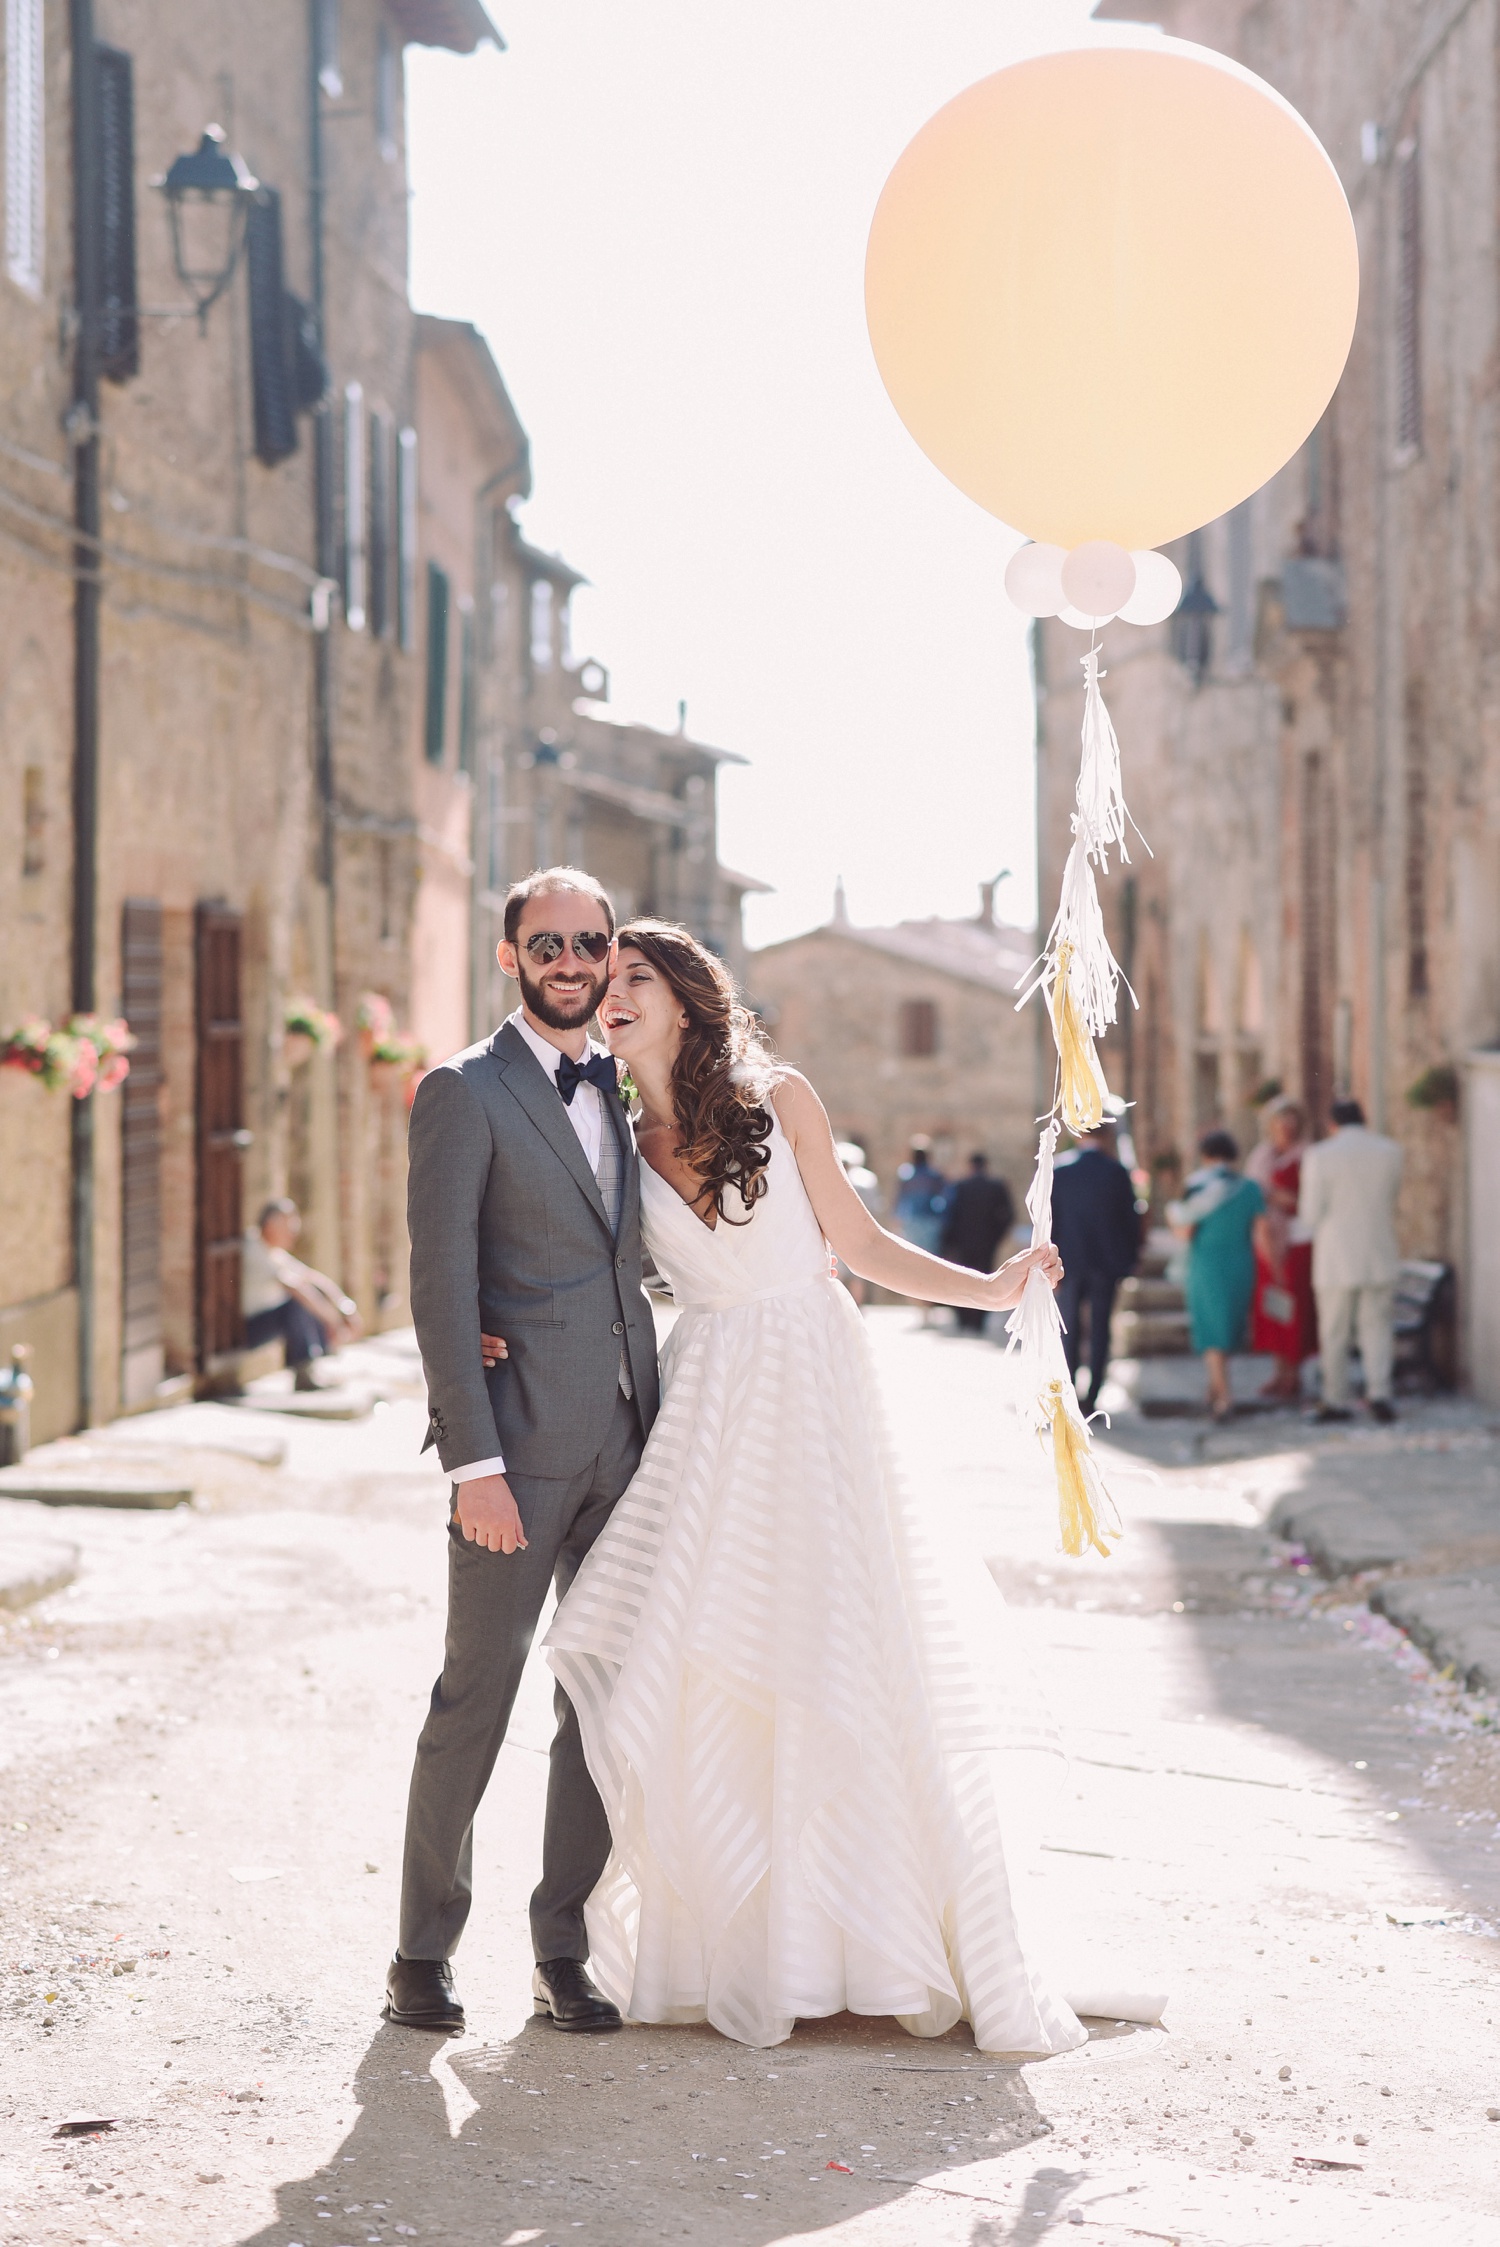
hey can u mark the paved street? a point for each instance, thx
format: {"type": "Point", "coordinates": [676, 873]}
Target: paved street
{"type": "Point", "coordinates": [1276, 1809]}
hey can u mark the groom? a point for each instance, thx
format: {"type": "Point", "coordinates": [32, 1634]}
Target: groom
{"type": "Point", "coordinates": [524, 1212]}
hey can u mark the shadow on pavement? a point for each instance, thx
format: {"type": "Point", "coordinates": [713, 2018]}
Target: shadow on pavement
{"type": "Point", "coordinates": [662, 2133]}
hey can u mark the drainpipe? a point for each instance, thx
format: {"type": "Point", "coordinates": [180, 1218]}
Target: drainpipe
{"type": "Point", "coordinates": [323, 440]}
{"type": "Point", "coordinates": [492, 758]}
{"type": "Point", "coordinates": [83, 432]}
{"type": "Point", "coordinates": [328, 1192]}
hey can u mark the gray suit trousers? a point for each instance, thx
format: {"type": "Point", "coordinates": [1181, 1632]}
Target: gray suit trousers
{"type": "Point", "coordinates": [494, 1600]}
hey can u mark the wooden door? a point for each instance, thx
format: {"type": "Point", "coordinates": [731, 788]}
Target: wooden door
{"type": "Point", "coordinates": [221, 1134]}
{"type": "Point", "coordinates": [140, 1152]}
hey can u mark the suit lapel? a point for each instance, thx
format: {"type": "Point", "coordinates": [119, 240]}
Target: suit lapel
{"type": "Point", "coordinates": [526, 1080]}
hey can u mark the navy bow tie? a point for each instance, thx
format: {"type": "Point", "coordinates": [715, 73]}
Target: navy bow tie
{"type": "Point", "coordinates": [599, 1070]}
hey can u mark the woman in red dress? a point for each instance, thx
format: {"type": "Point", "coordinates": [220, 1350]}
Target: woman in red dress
{"type": "Point", "coordinates": [1284, 1320]}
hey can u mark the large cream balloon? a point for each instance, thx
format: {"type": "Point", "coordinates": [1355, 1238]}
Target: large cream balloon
{"type": "Point", "coordinates": [1111, 290]}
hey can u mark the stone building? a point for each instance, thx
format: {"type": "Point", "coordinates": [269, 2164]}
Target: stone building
{"type": "Point", "coordinates": [209, 668]}
{"type": "Point", "coordinates": [517, 759]}
{"type": "Point", "coordinates": [912, 1029]}
{"type": "Point", "coordinates": [1312, 746]}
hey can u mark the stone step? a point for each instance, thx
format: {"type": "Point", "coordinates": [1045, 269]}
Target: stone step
{"type": "Point", "coordinates": [1149, 1334]}
{"type": "Point", "coordinates": [1139, 1294]}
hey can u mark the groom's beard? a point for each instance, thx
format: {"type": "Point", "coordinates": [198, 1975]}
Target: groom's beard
{"type": "Point", "coordinates": [557, 1014]}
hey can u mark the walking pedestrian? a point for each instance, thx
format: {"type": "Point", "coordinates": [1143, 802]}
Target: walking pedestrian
{"type": "Point", "coordinates": [1098, 1237]}
{"type": "Point", "coordinates": [921, 1203]}
{"type": "Point", "coordinates": [1348, 1204]}
{"type": "Point", "coordinates": [1216, 1216]}
{"type": "Point", "coordinates": [979, 1215]}
{"type": "Point", "coordinates": [921, 1197]}
{"type": "Point", "coordinates": [285, 1300]}
{"type": "Point", "coordinates": [1284, 1320]}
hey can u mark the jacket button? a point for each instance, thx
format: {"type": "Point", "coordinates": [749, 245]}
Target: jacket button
{"type": "Point", "coordinates": [619, 1263]}
{"type": "Point", "coordinates": [618, 1327]}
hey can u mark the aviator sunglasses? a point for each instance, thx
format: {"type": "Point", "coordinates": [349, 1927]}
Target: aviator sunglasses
{"type": "Point", "coordinates": [547, 946]}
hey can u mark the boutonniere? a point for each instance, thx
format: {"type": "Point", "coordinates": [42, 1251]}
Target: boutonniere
{"type": "Point", "coordinates": [628, 1092]}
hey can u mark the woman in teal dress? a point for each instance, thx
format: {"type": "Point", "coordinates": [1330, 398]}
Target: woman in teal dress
{"type": "Point", "coordinates": [1216, 1217]}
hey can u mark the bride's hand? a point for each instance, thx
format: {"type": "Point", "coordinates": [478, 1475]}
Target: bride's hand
{"type": "Point", "coordinates": [492, 1349]}
{"type": "Point", "coordinates": [1005, 1286]}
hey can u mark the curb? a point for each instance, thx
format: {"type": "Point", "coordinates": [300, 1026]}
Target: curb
{"type": "Point", "coordinates": [33, 1567]}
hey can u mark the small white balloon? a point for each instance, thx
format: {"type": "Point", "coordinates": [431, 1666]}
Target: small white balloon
{"type": "Point", "coordinates": [1158, 588]}
{"type": "Point", "coordinates": [1098, 578]}
{"type": "Point", "coordinates": [1080, 622]}
{"type": "Point", "coordinates": [1033, 580]}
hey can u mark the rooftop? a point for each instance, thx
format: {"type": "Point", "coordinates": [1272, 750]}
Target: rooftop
{"type": "Point", "coordinates": [982, 950]}
{"type": "Point", "coordinates": [461, 25]}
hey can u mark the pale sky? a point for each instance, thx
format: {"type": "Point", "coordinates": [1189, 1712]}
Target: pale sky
{"type": "Point", "coordinates": [656, 211]}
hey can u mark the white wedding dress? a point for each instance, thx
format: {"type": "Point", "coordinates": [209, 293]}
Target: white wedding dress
{"type": "Point", "coordinates": [796, 1751]}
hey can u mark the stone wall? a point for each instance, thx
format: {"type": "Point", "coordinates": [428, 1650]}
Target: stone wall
{"type": "Point", "coordinates": [832, 1009]}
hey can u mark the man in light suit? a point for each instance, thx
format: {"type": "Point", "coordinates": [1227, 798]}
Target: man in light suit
{"type": "Point", "coordinates": [524, 1212]}
{"type": "Point", "coordinates": [1348, 1203]}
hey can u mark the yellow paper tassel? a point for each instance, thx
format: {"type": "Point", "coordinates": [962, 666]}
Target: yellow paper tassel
{"type": "Point", "coordinates": [1081, 1088]}
{"type": "Point", "coordinates": [1077, 1478]}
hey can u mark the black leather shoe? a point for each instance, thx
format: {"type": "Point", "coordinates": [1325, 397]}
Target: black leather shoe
{"type": "Point", "coordinates": [419, 1994]}
{"type": "Point", "coordinates": [563, 1992]}
{"type": "Point", "coordinates": [1326, 1413]}
{"type": "Point", "coordinates": [1382, 1410]}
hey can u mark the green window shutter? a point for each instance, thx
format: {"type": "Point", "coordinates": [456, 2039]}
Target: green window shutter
{"type": "Point", "coordinates": [437, 661]}
{"type": "Point", "coordinates": [467, 714]}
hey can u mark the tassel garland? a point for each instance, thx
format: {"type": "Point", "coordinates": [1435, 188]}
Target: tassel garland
{"type": "Point", "coordinates": [1080, 978]}
{"type": "Point", "coordinates": [1086, 1514]}
{"type": "Point", "coordinates": [1081, 1090]}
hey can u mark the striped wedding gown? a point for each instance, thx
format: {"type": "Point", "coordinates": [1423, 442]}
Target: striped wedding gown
{"type": "Point", "coordinates": [794, 1749]}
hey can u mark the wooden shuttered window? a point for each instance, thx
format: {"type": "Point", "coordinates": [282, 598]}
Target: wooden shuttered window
{"type": "Point", "coordinates": [436, 713]}
{"type": "Point", "coordinates": [140, 1151]}
{"type": "Point", "coordinates": [272, 338]}
{"type": "Point", "coordinates": [917, 1029]}
{"type": "Point", "coordinates": [468, 714]}
{"type": "Point", "coordinates": [355, 497]}
{"type": "Point", "coordinates": [406, 539]}
{"type": "Point", "coordinates": [380, 526]}
{"type": "Point", "coordinates": [25, 144]}
{"type": "Point", "coordinates": [220, 1135]}
{"type": "Point", "coordinates": [119, 326]}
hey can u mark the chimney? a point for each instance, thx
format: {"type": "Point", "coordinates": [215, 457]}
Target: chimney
{"type": "Point", "coordinates": [840, 905]}
{"type": "Point", "coordinates": [987, 898]}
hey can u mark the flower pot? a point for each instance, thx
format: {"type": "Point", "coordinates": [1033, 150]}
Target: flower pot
{"type": "Point", "coordinates": [297, 1047]}
{"type": "Point", "coordinates": [386, 1075]}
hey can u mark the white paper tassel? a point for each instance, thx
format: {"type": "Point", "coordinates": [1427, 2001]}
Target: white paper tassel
{"type": "Point", "coordinates": [1079, 924]}
{"type": "Point", "coordinates": [1102, 816]}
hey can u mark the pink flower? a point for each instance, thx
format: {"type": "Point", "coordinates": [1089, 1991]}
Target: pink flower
{"type": "Point", "coordinates": [116, 1069]}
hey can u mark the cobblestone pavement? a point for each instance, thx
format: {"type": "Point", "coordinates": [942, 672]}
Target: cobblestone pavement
{"type": "Point", "coordinates": [1276, 1808]}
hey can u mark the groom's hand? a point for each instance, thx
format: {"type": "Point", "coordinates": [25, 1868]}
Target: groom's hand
{"type": "Point", "coordinates": [488, 1516]}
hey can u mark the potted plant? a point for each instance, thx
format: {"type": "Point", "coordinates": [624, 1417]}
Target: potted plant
{"type": "Point", "coordinates": [395, 1059]}
{"type": "Point", "coordinates": [375, 1020]}
{"type": "Point", "coordinates": [88, 1054]}
{"type": "Point", "coordinates": [1436, 1090]}
{"type": "Point", "coordinates": [306, 1029]}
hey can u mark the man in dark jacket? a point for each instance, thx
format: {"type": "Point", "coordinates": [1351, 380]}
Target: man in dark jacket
{"type": "Point", "coordinates": [1098, 1236]}
{"type": "Point", "coordinates": [979, 1215]}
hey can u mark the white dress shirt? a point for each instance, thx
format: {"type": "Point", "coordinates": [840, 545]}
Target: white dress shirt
{"type": "Point", "coordinates": [585, 1112]}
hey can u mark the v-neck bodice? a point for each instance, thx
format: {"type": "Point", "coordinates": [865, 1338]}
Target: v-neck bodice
{"type": "Point", "coordinates": [777, 1249]}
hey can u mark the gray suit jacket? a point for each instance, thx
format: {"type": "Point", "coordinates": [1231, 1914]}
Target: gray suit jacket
{"type": "Point", "coordinates": [509, 1235]}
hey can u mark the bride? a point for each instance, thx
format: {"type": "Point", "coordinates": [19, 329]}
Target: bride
{"type": "Point", "coordinates": [776, 1705]}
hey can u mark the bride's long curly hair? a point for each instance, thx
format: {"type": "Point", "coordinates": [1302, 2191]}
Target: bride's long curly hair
{"type": "Point", "coordinates": [724, 1071]}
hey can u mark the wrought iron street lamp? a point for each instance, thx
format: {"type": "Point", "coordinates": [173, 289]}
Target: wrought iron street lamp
{"type": "Point", "coordinates": [208, 200]}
